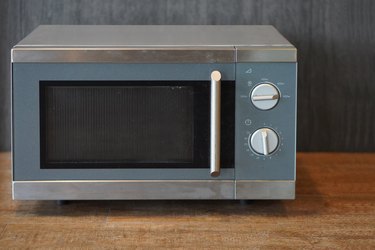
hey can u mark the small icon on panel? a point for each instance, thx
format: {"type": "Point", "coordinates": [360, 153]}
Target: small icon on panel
{"type": "Point", "coordinates": [249, 71]}
{"type": "Point", "coordinates": [247, 122]}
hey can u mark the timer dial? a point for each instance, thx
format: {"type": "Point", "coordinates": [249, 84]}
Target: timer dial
{"type": "Point", "coordinates": [264, 141]}
{"type": "Point", "coordinates": [265, 96]}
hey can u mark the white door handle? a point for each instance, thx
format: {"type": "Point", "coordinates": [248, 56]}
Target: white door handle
{"type": "Point", "coordinates": [215, 123]}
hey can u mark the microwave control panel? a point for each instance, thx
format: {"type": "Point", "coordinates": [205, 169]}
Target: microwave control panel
{"type": "Point", "coordinates": [265, 121]}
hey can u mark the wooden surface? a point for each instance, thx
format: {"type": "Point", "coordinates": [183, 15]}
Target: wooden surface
{"type": "Point", "coordinates": [334, 209]}
{"type": "Point", "coordinates": [335, 41]}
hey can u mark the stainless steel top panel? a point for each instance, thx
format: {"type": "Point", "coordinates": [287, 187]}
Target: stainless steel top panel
{"type": "Point", "coordinates": [62, 36]}
{"type": "Point", "coordinates": [153, 43]}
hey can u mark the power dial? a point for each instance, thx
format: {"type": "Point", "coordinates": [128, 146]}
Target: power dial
{"type": "Point", "coordinates": [265, 96]}
{"type": "Point", "coordinates": [264, 141]}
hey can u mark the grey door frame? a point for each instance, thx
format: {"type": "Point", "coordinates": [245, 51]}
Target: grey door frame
{"type": "Point", "coordinates": [26, 118]}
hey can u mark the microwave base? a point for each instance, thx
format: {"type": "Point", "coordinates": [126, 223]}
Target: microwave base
{"type": "Point", "coordinates": [153, 190]}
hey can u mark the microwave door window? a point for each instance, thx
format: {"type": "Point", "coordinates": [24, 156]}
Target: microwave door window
{"type": "Point", "coordinates": [91, 125]}
{"type": "Point", "coordinates": [139, 124]}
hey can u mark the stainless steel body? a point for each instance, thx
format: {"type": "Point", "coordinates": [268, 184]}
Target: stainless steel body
{"type": "Point", "coordinates": [154, 44]}
{"type": "Point", "coordinates": [253, 58]}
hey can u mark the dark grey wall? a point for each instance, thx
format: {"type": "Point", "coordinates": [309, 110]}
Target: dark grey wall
{"type": "Point", "coordinates": [335, 38]}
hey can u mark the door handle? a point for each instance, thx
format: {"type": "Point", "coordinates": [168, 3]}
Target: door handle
{"type": "Point", "coordinates": [215, 123]}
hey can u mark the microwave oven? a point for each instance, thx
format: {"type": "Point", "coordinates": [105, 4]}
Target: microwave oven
{"type": "Point", "coordinates": [153, 112]}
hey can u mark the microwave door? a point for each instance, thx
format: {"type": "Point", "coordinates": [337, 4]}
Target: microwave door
{"type": "Point", "coordinates": [109, 121]}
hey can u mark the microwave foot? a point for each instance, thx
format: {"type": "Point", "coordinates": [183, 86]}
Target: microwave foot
{"type": "Point", "coordinates": [245, 202]}
{"type": "Point", "coordinates": [62, 202]}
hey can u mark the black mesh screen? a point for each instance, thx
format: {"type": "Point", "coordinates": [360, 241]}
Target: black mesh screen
{"type": "Point", "coordinates": [125, 124]}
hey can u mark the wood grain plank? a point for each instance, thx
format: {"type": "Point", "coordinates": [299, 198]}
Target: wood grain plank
{"type": "Point", "coordinates": [334, 209]}
{"type": "Point", "coordinates": [355, 172]}
{"type": "Point", "coordinates": [5, 179]}
{"type": "Point", "coordinates": [35, 215]}
{"type": "Point", "coordinates": [2, 229]}
{"type": "Point", "coordinates": [220, 236]}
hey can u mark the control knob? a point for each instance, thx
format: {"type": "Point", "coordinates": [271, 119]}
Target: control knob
{"type": "Point", "coordinates": [265, 96]}
{"type": "Point", "coordinates": [264, 141]}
